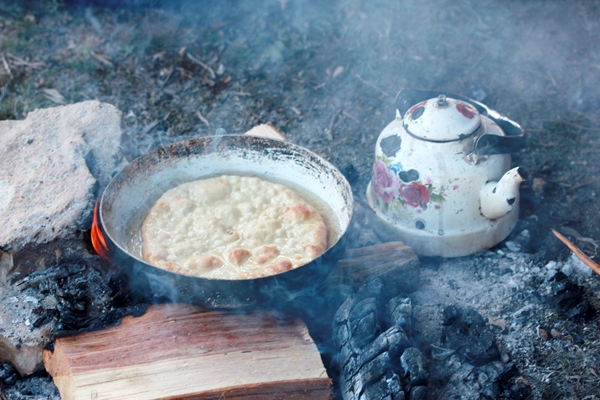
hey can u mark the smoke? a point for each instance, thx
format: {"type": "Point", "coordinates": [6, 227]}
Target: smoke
{"type": "Point", "coordinates": [326, 72]}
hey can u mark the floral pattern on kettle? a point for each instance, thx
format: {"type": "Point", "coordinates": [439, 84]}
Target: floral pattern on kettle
{"type": "Point", "coordinates": [395, 186]}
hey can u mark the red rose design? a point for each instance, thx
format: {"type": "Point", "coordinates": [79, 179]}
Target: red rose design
{"type": "Point", "coordinates": [465, 110]}
{"type": "Point", "coordinates": [385, 183]}
{"type": "Point", "coordinates": [415, 194]}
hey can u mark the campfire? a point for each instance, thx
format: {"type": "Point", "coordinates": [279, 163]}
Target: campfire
{"type": "Point", "coordinates": [434, 284]}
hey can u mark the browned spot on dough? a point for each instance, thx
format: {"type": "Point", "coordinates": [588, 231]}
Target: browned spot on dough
{"type": "Point", "coordinates": [207, 262]}
{"type": "Point", "coordinates": [265, 253]}
{"type": "Point", "coordinates": [301, 212]}
{"type": "Point", "coordinates": [280, 266]}
{"type": "Point", "coordinates": [162, 206]}
{"type": "Point", "coordinates": [314, 250]}
{"type": "Point", "coordinates": [238, 256]}
{"type": "Point", "coordinates": [169, 265]}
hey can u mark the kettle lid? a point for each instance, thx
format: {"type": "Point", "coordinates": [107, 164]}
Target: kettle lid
{"type": "Point", "coordinates": [441, 119]}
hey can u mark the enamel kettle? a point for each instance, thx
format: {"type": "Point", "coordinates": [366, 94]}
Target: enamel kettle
{"type": "Point", "coordinates": [442, 180]}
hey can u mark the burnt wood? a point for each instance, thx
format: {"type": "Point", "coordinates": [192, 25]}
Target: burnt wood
{"type": "Point", "coordinates": [373, 353]}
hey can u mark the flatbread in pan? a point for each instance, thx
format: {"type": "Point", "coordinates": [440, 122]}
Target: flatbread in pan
{"type": "Point", "coordinates": [232, 227]}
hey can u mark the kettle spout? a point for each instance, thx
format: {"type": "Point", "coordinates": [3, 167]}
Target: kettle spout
{"type": "Point", "coordinates": [498, 198]}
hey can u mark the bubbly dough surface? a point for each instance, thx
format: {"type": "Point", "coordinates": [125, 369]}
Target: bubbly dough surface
{"type": "Point", "coordinates": [232, 227]}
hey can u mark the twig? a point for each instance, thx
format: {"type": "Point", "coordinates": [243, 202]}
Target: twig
{"type": "Point", "coordinates": [6, 66]}
{"type": "Point", "coordinates": [372, 85]}
{"type": "Point", "coordinates": [329, 129]}
{"type": "Point", "coordinates": [102, 59]}
{"type": "Point", "coordinates": [18, 61]}
{"type": "Point", "coordinates": [54, 96]}
{"type": "Point", "coordinates": [200, 63]}
{"type": "Point", "coordinates": [580, 184]}
{"type": "Point", "coordinates": [201, 117]}
{"type": "Point", "coordinates": [580, 254]}
{"type": "Point", "coordinates": [151, 126]}
{"type": "Point", "coordinates": [352, 117]}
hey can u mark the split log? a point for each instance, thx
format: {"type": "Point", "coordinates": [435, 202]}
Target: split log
{"type": "Point", "coordinates": [178, 351]}
{"type": "Point", "coordinates": [393, 262]}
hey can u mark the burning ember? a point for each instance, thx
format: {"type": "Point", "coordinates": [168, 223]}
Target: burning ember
{"type": "Point", "coordinates": [96, 236]}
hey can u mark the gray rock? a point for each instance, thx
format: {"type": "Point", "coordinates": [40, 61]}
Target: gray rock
{"type": "Point", "coordinates": [21, 343]}
{"type": "Point", "coordinates": [51, 165]}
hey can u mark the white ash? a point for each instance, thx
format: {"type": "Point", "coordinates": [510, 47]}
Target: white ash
{"type": "Point", "coordinates": [21, 341]}
{"type": "Point", "coordinates": [511, 287]}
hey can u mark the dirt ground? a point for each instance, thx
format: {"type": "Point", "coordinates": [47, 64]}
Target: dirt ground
{"type": "Point", "coordinates": [325, 73]}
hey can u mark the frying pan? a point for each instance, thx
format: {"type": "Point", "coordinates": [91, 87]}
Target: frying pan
{"type": "Point", "coordinates": [129, 196]}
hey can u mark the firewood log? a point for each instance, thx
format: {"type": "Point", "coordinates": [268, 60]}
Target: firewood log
{"type": "Point", "coordinates": [180, 351]}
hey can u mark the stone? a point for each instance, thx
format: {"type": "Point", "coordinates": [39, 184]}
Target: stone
{"type": "Point", "coordinates": [51, 167]}
{"type": "Point", "coordinates": [21, 342]}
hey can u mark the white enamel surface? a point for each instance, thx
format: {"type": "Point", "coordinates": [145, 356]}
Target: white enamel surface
{"type": "Point", "coordinates": [448, 221]}
{"type": "Point", "coordinates": [430, 121]}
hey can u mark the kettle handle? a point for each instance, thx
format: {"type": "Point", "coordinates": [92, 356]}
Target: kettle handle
{"type": "Point", "coordinates": [486, 144]}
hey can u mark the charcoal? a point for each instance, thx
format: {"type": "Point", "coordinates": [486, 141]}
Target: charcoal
{"type": "Point", "coordinates": [519, 391]}
{"type": "Point", "coordinates": [8, 375]}
{"type": "Point", "coordinates": [350, 173]}
{"type": "Point", "coordinates": [78, 297]}
{"type": "Point", "coordinates": [466, 332]}
{"type": "Point", "coordinates": [342, 334]}
{"type": "Point", "coordinates": [364, 330]}
{"type": "Point", "coordinates": [373, 288]}
{"type": "Point", "coordinates": [368, 354]}
{"type": "Point", "coordinates": [397, 341]}
{"type": "Point", "coordinates": [363, 308]}
{"type": "Point", "coordinates": [388, 387]}
{"type": "Point", "coordinates": [498, 378]}
{"type": "Point", "coordinates": [490, 381]}
{"type": "Point", "coordinates": [350, 365]}
{"type": "Point", "coordinates": [346, 386]}
{"type": "Point", "coordinates": [468, 317]}
{"type": "Point", "coordinates": [364, 322]}
{"type": "Point", "coordinates": [413, 364]}
{"type": "Point", "coordinates": [348, 359]}
{"type": "Point", "coordinates": [400, 310]}
{"type": "Point", "coordinates": [372, 372]}
{"type": "Point", "coordinates": [418, 393]}
{"type": "Point", "coordinates": [568, 297]}
{"type": "Point", "coordinates": [32, 388]}
{"type": "Point", "coordinates": [376, 347]}
{"type": "Point", "coordinates": [342, 314]}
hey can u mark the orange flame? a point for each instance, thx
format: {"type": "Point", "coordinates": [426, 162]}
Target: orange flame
{"type": "Point", "coordinates": [98, 240]}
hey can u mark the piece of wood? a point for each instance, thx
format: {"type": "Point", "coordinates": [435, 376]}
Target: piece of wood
{"type": "Point", "coordinates": [266, 130]}
{"type": "Point", "coordinates": [177, 351]}
{"type": "Point", "coordinates": [394, 262]}
{"type": "Point", "coordinates": [577, 251]}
